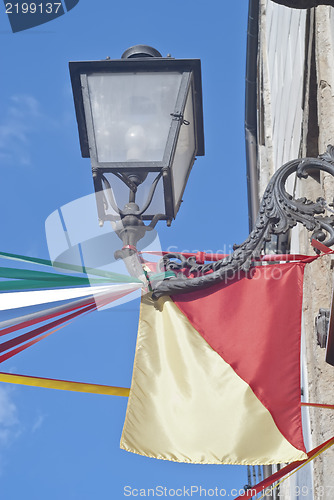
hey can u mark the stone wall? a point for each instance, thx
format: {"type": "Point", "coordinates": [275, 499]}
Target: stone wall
{"type": "Point", "coordinates": [296, 116]}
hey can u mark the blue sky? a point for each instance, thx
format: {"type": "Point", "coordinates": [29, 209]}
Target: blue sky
{"type": "Point", "coordinates": [59, 445]}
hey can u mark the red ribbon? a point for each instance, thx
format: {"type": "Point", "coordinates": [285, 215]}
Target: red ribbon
{"type": "Point", "coordinates": [319, 405]}
{"type": "Point", "coordinates": [41, 319]}
{"type": "Point", "coordinates": [320, 246]}
{"type": "Point", "coordinates": [42, 329]}
{"type": "Point", "coordinates": [213, 257]}
{"type": "Point", "coordinates": [38, 331]}
{"type": "Point", "coordinates": [12, 353]}
{"type": "Point", "coordinates": [130, 247]}
{"type": "Point", "coordinates": [266, 483]}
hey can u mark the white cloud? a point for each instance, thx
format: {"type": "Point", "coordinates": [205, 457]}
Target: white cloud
{"type": "Point", "coordinates": [20, 120]}
{"type": "Point", "coordinates": [9, 421]}
{"type": "Point", "coordinates": [8, 411]}
{"type": "Point", "coordinates": [10, 426]}
{"type": "Point", "coordinates": [38, 423]}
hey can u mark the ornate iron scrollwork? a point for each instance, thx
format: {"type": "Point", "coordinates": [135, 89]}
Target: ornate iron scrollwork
{"type": "Point", "coordinates": [278, 213]}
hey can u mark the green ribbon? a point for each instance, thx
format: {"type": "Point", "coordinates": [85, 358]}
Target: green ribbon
{"type": "Point", "coordinates": [9, 272]}
{"type": "Point", "coordinates": [162, 276]}
{"type": "Point", "coordinates": [111, 277]}
{"type": "Point", "coordinates": [24, 279]}
{"type": "Point", "coordinates": [41, 285]}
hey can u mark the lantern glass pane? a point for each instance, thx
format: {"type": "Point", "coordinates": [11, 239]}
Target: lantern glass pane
{"type": "Point", "coordinates": [131, 114]}
{"type": "Point", "coordinates": [185, 151]}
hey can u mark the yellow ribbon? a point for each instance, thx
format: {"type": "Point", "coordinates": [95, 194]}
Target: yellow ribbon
{"type": "Point", "coordinates": [63, 385]}
{"type": "Point", "coordinates": [319, 405]}
{"type": "Point", "coordinates": [66, 385]}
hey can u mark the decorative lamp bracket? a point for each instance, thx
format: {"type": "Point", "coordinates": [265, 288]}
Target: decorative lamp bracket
{"type": "Point", "coordinates": [304, 4]}
{"type": "Point", "coordinates": [278, 213]}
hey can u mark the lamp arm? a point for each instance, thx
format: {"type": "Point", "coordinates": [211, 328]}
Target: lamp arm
{"type": "Point", "coordinates": [154, 221]}
{"type": "Point", "coordinates": [110, 195]}
{"type": "Point", "coordinates": [278, 213]}
{"type": "Point", "coordinates": [150, 194]}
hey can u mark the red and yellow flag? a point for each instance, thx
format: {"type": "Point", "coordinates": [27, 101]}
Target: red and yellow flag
{"type": "Point", "coordinates": [217, 373]}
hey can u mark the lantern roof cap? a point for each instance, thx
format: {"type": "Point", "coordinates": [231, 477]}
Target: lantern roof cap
{"type": "Point", "coordinates": [140, 51]}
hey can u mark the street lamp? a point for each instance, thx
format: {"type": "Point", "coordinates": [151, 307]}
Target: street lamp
{"type": "Point", "coordinates": [140, 122]}
{"type": "Point", "coordinates": [140, 119]}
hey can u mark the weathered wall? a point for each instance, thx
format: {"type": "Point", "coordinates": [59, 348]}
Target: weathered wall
{"type": "Point", "coordinates": [319, 278]}
{"type": "Point", "coordinates": [290, 101]}
{"type": "Point", "coordinates": [281, 68]}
